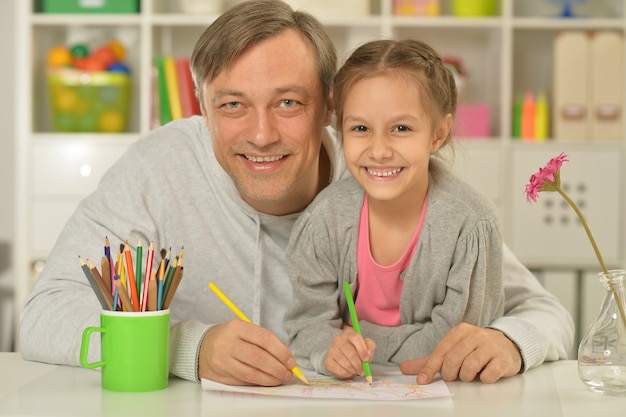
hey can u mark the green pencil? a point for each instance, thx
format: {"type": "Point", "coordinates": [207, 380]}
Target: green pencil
{"type": "Point", "coordinates": [357, 328]}
{"type": "Point", "coordinates": [138, 262]}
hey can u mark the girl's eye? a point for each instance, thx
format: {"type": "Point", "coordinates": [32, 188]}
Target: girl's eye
{"type": "Point", "coordinates": [360, 128]}
{"type": "Point", "coordinates": [402, 128]}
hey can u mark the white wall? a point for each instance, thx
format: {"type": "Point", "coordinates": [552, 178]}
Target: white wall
{"type": "Point", "coordinates": [7, 117]}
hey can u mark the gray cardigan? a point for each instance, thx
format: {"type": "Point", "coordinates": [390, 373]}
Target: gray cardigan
{"type": "Point", "coordinates": [454, 276]}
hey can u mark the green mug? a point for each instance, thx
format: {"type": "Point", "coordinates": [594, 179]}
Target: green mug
{"type": "Point", "coordinates": [134, 350]}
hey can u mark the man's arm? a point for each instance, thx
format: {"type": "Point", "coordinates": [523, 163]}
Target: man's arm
{"type": "Point", "coordinates": [535, 328]}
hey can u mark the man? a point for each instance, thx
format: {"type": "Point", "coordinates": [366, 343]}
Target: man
{"type": "Point", "coordinates": [229, 186]}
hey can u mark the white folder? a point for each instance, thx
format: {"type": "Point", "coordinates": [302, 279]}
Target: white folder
{"type": "Point", "coordinates": [606, 86]}
{"type": "Point", "coordinates": [570, 82]}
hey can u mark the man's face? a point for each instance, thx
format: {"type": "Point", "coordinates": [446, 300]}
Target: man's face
{"type": "Point", "coordinates": [266, 114]}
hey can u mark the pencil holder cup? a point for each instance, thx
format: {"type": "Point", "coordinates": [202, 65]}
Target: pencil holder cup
{"type": "Point", "coordinates": [134, 350]}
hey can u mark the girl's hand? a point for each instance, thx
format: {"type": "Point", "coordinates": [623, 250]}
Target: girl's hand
{"type": "Point", "coordinates": [346, 354]}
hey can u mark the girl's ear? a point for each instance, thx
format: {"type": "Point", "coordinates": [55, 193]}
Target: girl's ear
{"type": "Point", "coordinates": [441, 133]}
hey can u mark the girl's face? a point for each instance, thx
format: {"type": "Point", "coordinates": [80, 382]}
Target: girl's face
{"type": "Point", "coordinates": [388, 137]}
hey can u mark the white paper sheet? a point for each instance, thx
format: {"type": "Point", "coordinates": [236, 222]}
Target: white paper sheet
{"type": "Point", "coordinates": [386, 387]}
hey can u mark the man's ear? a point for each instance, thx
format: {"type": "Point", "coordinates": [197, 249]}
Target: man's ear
{"type": "Point", "coordinates": [442, 132]}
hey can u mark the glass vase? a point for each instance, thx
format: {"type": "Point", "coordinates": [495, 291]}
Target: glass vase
{"type": "Point", "coordinates": [602, 351]}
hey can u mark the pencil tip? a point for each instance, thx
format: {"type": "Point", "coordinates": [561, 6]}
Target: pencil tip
{"type": "Point", "coordinates": [369, 380]}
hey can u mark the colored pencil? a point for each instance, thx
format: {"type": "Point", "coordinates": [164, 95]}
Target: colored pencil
{"type": "Point", "coordinates": [108, 298]}
{"type": "Point", "coordinates": [297, 372]}
{"type": "Point", "coordinates": [160, 284]}
{"type": "Point", "coordinates": [148, 275]}
{"type": "Point", "coordinates": [165, 254]}
{"type": "Point", "coordinates": [167, 283]}
{"type": "Point", "coordinates": [178, 276]}
{"type": "Point", "coordinates": [119, 266]}
{"type": "Point", "coordinates": [107, 253]}
{"type": "Point", "coordinates": [127, 305]}
{"type": "Point", "coordinates": [106, 274]}
{"type": "Point", "coordinates": [131, 276]}
{"type": "Point", "coordinates": [152, 293]}
{"type": "Point", "coordinates": [130, 289]}
{"type": "Point", "coordinates": [138, 277]}
{"type": "Point", "coordinates": [93, 284]}
{"type": "Point", "coordinates": [356, 327]}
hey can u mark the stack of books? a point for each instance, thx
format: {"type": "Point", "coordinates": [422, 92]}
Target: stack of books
{"type": "Point", "coordinates": [173, 90]}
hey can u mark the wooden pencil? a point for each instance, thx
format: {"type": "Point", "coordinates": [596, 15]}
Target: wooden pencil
{"type": "Point", "coordinates": [152, 293]}
{"type": "Point", "coordinates": [168, 280]}
{"type": "Point", "coordinates": [93, 284]}
{"type": "Point", "coordinates": [130, 271]}
{"type": "Point", "coordinates": [138, 277]}
{"type": "Point", "coordinates": [108, 298]}
{"type": "Point", "coordinates": [160, 283]}
{"type": "Point", "coordinates": [106, 274]}
{"type": "Point", "coordinates": [127, 305]}
{"type": "Point", "coordinates": [107, 253]}
{"type": "Point", "coordinates": [148, 275]}
{"type": "Point", "coordinates": [178, 276]}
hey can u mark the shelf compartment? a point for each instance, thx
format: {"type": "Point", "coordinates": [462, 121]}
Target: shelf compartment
{"type": "Point", "coordinates": [45, 37]}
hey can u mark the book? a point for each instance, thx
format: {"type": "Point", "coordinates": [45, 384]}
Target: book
{"type": "Point", "coordinates": [189, 103]}
{"type": "Point", "coordinates": [165, 113]}
{"type": "Point", "coordinates": [171, 81]}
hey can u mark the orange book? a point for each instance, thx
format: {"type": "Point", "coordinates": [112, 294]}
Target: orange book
{"type": "Point", "coordinates": [528, 118]}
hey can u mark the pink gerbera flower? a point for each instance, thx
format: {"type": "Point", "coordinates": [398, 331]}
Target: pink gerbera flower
{"type": "Point", "coordinates": [549, 179]}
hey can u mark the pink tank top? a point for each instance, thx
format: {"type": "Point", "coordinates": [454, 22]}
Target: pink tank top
{"type": "Point", "coordinates": [379, 286]}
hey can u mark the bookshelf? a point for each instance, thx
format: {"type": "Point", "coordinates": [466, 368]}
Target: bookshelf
{"type": "Point", "coordinates": [504, 54]}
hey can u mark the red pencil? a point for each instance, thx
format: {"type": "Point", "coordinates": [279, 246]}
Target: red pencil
{"type": "Point", "coordinates": [148, 275]}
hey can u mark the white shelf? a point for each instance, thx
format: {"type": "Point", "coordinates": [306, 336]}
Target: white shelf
{"type": "Point", "coordinates": [504, 55]}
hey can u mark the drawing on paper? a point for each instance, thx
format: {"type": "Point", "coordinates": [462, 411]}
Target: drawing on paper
{"type": "Point", "coordinates": [385, 387]}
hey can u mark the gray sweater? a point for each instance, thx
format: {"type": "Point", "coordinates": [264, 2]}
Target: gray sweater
{"type": "Point", "coordinates": [455, 274]}
{"type": "Point", "coordinates": [168, 187]}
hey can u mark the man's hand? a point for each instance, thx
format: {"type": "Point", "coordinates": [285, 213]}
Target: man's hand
{"type": "Point", "coordinates": [347, 353]}
{"type": "Point", "coordinates": [465, 353]}
{"type": "Point", "coordinates": [240, 353]}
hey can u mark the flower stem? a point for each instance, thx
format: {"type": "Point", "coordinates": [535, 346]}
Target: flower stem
{"type": "Point", "coordinates": [616, 296]}
{"type": "Point", "coordinates": [587, 230]}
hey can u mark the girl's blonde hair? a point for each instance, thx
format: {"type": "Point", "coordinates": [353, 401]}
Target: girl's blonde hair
{"type": "Point", "coordinates": [411, 58]}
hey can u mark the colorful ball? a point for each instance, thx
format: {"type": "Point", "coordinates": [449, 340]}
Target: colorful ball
{"type": "Point", "coordinates": [79, 50]}
{"type": "Point", "coordinates": [118, 67]}
{"type": "Point", "coordinates": [59, 56]}
{"type": "Point", "coordinates": [105, 55]}
{"type": "Point", "coordinates": [118, 49]}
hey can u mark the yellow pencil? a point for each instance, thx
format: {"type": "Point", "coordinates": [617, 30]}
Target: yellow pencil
{"type": "Point", "coordinates": [297, 372]}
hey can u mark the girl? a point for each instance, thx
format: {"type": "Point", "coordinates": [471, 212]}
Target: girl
{"type": "Point", "coordinates": [421, 249]}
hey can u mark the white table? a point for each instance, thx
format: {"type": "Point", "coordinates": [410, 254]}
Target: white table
{"type": "Point", "coordinates": [35, 389]}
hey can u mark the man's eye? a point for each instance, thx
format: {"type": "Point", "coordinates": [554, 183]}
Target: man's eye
{"type": "Point", "coordinates": [232, 104]}
{"type": "Point", "coordinates": [289, 103]}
